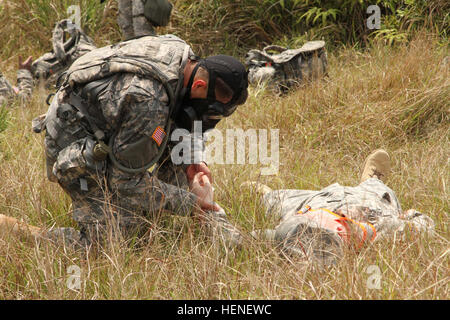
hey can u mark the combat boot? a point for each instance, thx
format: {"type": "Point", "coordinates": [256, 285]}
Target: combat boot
{"type": "Point", "coordinates": [377, 165]}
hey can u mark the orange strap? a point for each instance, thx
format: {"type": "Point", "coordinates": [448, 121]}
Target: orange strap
{"type": "Point", "coordinates": [341, 218]}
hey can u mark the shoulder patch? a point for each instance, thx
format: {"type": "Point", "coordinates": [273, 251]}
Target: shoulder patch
{"type": "Point", "coordinates": [158, 135]}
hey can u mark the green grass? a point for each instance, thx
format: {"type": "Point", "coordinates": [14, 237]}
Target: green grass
{"type": "Point", "coordinates": [3, 118]}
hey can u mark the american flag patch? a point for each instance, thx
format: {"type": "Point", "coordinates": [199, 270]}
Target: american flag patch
{"type": "Point", "coordinates": [158, 135]}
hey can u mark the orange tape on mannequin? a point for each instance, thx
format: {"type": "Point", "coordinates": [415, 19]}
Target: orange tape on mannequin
{"type": "Point", "coordinates": [342, 220]}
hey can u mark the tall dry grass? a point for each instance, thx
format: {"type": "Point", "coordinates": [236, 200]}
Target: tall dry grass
{"type": "Point", "coordinates": [394, 98]}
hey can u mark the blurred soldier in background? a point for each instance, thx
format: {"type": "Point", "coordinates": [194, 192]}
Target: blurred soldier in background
{"type": "Point", "coordinates": [24, 83]}
{"type": "Point", "coordinates": [139, 18]}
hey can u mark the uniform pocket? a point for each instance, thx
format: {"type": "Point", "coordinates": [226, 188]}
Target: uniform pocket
{"type": "Point", "coordinates": [75, 163]}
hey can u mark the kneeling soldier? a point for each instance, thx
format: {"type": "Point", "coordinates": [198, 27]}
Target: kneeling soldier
{"type": "Point", "coordinates": [111, 120]}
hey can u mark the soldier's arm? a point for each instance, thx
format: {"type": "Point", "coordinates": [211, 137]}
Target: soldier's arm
{"type": "Point", "coordinates": [24, 84]}
{"type": "Point", "coordinates": [24, 78]}
{"type": "Point", "coordinates": [6, 90]}
{"type": "Point", "coordinates": [195, 146]}
{"type": "Point", "coordinates": [175, 199]}
{"type": "Point", "coordinates": [138, 108]}
{"type": "Point", "coordinates": [143, 192]}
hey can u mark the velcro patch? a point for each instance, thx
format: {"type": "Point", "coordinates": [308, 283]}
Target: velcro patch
{"type": "Point", "coordinates": [158, 135]}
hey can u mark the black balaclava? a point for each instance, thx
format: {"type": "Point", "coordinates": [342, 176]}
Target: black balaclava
{"type": "Point", "coordinates": [209, 110]}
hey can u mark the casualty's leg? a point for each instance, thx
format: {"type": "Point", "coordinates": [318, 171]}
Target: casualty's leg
{"type": "Point", "coordinates": [375, 171]}
{"type": "Point", "coordinates": [169, 173]}
{"type": "Point", "coordinates": [68, 236]}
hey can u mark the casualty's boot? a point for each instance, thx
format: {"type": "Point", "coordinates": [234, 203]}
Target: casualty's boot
{"type": "Point", "coordinates": [377, 164]}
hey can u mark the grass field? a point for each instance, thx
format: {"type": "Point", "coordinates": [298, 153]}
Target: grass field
{"type": "Point", "coordinates": [396, 98]}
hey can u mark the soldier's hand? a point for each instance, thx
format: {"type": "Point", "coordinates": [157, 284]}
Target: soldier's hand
{"type": "Point", "coordinates": [193, 169]}
{"type": "Point", "coordinates": [209, 206]}
{"type": "Point", "coordinates": [201, 187]}
{"type": "Point", "coordinates": [27, 64]}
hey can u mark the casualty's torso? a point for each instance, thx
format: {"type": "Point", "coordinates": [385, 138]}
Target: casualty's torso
{"type": "Point", "coordinates": [371, 202]}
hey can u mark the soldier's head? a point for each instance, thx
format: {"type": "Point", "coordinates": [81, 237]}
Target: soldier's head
{"type": "Point", "coordinates": [215, 86]}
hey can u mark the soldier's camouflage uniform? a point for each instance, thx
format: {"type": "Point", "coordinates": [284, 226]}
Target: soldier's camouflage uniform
{"type": "Point", "coordinates": [369, 202]}
{"type": "Point", "coordinates": [128, 110]}
{"type": "Point", "coordinates": [24, 87]}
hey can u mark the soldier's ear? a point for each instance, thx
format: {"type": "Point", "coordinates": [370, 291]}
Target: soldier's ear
{"type": "Point", "coordinates": [198, 84]}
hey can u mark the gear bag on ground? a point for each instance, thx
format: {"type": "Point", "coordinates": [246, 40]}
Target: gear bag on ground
{"type": "Point", "coordinates": [288, 67]}
{"type": "Point", "coordinates": [51, 65]}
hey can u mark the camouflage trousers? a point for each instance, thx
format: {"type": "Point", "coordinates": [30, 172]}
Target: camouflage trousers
{"type": "Point", "coordinates": [100, 221]}
{"type": "Point", "coordinates": [100, 213]}
{"type": "Point", "coordinates": [132, 21]}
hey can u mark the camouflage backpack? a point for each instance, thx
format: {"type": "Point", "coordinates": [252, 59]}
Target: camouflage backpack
{"type": "Point", "coordinates": [287, 67]}
{"type": "Point", "coordinates": [52, 64]}
{"type": "Point", "coordinates": [159, 57]}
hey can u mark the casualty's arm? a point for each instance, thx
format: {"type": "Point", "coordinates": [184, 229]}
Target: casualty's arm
{"type": "Point", "coordinates": [418, 222]}
{"type": "Point", "coordinates": [215, 217]}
